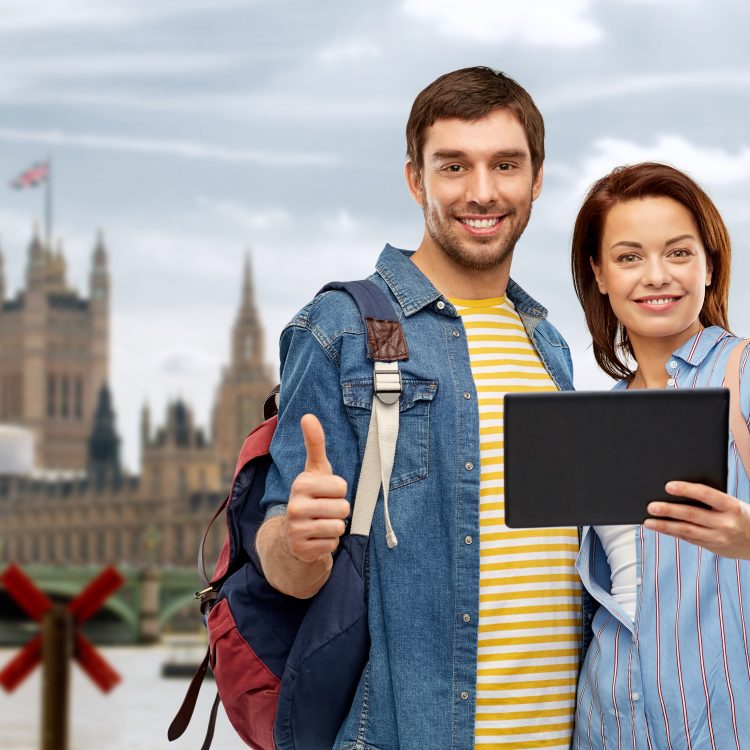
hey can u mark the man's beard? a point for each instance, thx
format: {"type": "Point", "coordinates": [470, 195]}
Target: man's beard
{"type": "Point", "coordinates": [496, 251]}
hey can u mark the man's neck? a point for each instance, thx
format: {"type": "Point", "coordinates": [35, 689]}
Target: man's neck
{"type": "Point", "coordinates": [455, 280]}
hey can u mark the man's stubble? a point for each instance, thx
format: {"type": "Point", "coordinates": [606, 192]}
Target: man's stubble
{"type": "Point", "coordinates": [498, 249]}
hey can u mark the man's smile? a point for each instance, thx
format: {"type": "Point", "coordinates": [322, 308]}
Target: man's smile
{"type": "Point", "coordinates": [481, 225]}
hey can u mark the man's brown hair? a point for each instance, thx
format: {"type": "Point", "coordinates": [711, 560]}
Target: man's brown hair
{"type": "Point", "coordinates": [647, 180]}
{"type": "Point", "coordinates": [470, 94]}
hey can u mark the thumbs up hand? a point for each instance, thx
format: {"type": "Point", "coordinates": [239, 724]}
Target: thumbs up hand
{"type": "Point", "coordinates": [317, 509]}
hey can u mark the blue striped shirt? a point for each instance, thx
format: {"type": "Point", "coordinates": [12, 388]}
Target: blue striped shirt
{"type": "Point", "coordinates": [679, 676]}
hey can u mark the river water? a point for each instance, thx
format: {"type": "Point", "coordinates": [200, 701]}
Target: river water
{"type": "Point", "coordinates": [134, 716]}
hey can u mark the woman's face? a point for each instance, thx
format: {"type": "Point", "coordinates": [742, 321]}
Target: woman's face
{"type": "Point", "coordinates": [653, 266]}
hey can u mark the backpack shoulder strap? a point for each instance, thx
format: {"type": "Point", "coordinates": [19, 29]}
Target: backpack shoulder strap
{"type": "Point", "coordinates": [737, 423]}
{"type": "Point", "coordinates": [385, 336]}
{"type": "Point", "coordinates": [386, 345]}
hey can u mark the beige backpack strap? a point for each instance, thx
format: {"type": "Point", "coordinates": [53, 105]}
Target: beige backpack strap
{"type": "Point", "coordinates": [737, 423]}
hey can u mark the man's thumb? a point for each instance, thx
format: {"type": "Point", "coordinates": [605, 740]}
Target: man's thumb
{"type": "Point", "coordinates": [315, 445]}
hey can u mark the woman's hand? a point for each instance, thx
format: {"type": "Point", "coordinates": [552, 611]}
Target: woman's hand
{"type": "Point", "coordinates": [724, 528]}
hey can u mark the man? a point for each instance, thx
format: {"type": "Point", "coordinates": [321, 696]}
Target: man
{"type": "Point", "coordinates": [475, 628]}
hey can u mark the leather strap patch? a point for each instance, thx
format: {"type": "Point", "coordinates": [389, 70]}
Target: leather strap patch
{"type": "Point", "coordinates": [385, 339]}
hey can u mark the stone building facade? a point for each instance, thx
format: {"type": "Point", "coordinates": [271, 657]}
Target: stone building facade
{"type": "Point", "coordinates": [78, 506]}
{"type": "Point", "coordinates": [54, 354]}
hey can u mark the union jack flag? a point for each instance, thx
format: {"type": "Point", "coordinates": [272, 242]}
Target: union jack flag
{"type": "Point", "coordinates": [37, 174]}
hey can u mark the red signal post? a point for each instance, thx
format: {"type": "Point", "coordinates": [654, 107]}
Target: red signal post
{"type": "Point", "coordinates": [36, 604]}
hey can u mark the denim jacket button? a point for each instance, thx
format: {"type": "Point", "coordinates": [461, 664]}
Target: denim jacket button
{"type": "Point", "coordinates": [468, 539]}
{"type": "Point", "coordinates": [464, 695]}
{"type": "Point", "coordinates": [468, 466]}
{"type": "Point", "coordinates": [440, 304]}
{"type": "Point", "coordinates": [455, 333]}
{"type": "Point", "coordinates": [467, 617]}
{"type": "Point", "coordinates": [467, 395]}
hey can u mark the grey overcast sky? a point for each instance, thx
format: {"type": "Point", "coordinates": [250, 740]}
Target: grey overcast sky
{"type": "Point", "coordinates": [192, 130]}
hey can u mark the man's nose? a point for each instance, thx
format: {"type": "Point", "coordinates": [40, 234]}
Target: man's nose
{"type": "Point", "coordinates": [481, 187]}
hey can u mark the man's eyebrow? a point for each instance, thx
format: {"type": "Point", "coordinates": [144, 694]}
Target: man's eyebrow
{"type": "Point", "coordinates": [637, 245]}
{"type": "Point", "coordinates": [508, 153]}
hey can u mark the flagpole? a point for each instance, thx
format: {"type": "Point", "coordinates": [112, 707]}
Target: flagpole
{"type": "Point", "coordinates": [48, 203]}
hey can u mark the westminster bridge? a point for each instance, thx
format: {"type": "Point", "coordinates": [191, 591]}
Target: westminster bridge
{"type": "Point", "coordinates": [152, 601]}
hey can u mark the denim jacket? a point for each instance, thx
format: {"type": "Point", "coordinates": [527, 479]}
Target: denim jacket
{"type": "Point", "coordinates": [418, 689]}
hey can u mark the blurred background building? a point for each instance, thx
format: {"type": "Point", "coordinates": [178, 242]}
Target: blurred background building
{"type": "Point", "coordinates": [65, 499]}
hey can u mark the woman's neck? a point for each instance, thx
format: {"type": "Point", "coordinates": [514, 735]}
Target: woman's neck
{"type": "Point", "coordinates": [651, 355]}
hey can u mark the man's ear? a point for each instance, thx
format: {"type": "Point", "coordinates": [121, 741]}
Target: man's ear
{"type": "Point", "coordinates": [536, 187]}
{"type": "Point", "coordinates": [597, 269]}
{"type": "Point", "coordinates": [414, 182]}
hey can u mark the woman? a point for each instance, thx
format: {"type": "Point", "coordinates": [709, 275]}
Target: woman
{"type": "Point", "coordinates": [669, 663]}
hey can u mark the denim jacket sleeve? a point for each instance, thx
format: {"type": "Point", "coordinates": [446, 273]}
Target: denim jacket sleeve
{"type": "Point", "coordinates": [310, 383]}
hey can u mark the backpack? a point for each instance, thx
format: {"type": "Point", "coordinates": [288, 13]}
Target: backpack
{"type": "Point", "coordinates": [287, 669]}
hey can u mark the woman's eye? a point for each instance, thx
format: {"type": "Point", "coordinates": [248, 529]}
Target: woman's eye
{"type": "Point", "coordinates": [628, 258]}
{"type": "Point", "coordinates": [681, 252]}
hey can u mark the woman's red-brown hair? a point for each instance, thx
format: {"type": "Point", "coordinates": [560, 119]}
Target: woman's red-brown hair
{"type": "Point", "coordinates": [612, 349]}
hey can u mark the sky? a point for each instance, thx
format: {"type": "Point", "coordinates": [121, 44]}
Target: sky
{"type": "Point", "coordinates": [192, 132]}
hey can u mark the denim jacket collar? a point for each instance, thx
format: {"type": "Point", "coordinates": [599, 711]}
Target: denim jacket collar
{"type": "Point", "coordinates": [414, 291]}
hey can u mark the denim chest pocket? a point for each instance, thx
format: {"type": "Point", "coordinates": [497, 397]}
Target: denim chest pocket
{"type": "Point", "coordinates": [412, 447]}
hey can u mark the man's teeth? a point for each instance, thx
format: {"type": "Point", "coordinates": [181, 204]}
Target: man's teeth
{"type": "Point", "coordinates": [663, 301]}
{"type": "Point", "coordinates": [480, 223]}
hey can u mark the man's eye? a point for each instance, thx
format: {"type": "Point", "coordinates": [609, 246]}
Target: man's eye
{"type": "Point", "coordinates": [505, 166]}
{"type": "Point", "coordinates": [454, 168]}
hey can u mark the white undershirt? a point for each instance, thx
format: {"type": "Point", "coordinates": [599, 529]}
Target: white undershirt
{"type": "Point", "coordinates": [619, 546]}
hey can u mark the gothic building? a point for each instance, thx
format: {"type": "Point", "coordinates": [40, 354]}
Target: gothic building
{"type": "Point", "coordinates": [79, 506]}
{"type": "Point", "coordinates": [54, 354]}
{"type": "Point", "coordinates": [245, 383]}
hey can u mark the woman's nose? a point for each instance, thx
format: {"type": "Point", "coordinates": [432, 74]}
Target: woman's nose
{"type": "Point", "coordinates": [656, 273]}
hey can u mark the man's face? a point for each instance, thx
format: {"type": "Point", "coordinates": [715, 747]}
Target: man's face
{"type": "Point", "coordinates": [476, 187]}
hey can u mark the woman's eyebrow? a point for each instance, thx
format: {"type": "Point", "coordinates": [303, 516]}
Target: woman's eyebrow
{"type": "Point", "coordinates": [637, 245]}
{"type": "Point", "coordinates": [679, 238]}
{"type": "Point", "coordinates": [626, 243]}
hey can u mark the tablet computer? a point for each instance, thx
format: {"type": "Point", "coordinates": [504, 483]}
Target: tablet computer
{"type": "Point", "coordinates": [590, 457]}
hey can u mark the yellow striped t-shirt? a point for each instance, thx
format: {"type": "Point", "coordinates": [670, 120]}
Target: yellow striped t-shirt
{"type": "Point", "coordinates": [529, 591]}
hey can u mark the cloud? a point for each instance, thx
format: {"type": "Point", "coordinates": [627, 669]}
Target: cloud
{"type": "Point", "coordinates": [53, 15]}
{"type": "Point", "coordinates": [350, 52]}
{"type": "Point", "coordinates": [711, 166]}
{"type": "Point", "coordinates": [342, 224]}
{"type": "Point", "coordinates": [324, 106]}
{"type": "Point", "coordinates": [183, 149]}
{"type": "Point", "coordinates": [543, 23]}
{"type": "Point", "coordinates": [114, 65]}
{"type": "Point", "coordinates": [658, 2]}
{"type": "Point", "coordinates": [186, 361]}
{"type": "Point", "coordinates": [583, 90]}
{"type": "Point", "coordinates": [271, 217]}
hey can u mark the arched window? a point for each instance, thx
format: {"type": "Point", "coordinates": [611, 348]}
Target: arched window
{"type": "Point", "coordinates": [51, 396]}
{"type": "Point", "coordinates": [78, 403]}
{"type": "Point", "coordinates": [64, 396]}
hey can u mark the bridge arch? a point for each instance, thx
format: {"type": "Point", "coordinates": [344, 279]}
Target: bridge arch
{"type": "Point", "coordinates": [71, 589]}
{"type": "Point", "coordinates": [174, 606]}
